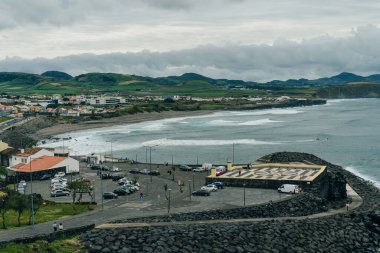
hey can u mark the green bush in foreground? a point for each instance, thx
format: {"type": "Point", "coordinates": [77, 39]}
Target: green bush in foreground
{"type": "Point", "coordinates": [68, 245]}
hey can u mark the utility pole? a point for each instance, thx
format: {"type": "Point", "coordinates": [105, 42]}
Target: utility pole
{"type": "Point", "coordinates": [169, 200]}
{"type": "Point", "coordinates": [31, 190]}
{"type": "Point", "coordinates": [244, 193]}
{"type": "Point", "coordinates": [150, 158]}
{"type": "Point", "coordinates": [233, 153]}
{"type": "Point", "coordinates": [189, 190]}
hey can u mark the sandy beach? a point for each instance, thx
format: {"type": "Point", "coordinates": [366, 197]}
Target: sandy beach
{"type": "Point", "coordinates": [127, 119]}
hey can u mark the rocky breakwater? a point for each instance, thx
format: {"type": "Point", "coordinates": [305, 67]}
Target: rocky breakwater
{"type": "Point", "coordinates": [354, 231]}
{"type": "Point", "coordinates": [340, 233]}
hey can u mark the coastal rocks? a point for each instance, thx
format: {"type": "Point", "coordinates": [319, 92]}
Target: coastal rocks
{"type": "Point", "coordinates": [339, 233]}
{"type": "Point", "coordinates": [355, 231]}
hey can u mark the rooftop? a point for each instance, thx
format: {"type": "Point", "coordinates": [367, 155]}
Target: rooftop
{"type": "Point", "coordinates": [39, 164]}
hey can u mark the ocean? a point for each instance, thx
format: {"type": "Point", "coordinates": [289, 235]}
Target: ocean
{"type": "Point", "coordinates": [344, 132]}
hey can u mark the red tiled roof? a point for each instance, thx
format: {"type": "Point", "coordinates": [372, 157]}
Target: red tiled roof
{"type": "Point", "coordinates": [39, 164]}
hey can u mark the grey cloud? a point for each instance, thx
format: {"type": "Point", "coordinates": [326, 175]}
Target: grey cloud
{"type": "Point", "coordinates": [312, 58]}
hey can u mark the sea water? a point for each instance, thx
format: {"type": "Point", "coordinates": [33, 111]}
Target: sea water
{"type": "Point", "coordinates": [344, 132]}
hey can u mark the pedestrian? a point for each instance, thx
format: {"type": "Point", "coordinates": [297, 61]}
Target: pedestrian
{"type": "Point", "coordinates": [239, 173]}
{"type": "Point", "coordinates": [347, 205]}
{"type": "Point", "coordinates": [55, 227]}
{"type": "Point", "coordinates": [141, 196]}
{"type": "Point", "coordinates": [60, 227]}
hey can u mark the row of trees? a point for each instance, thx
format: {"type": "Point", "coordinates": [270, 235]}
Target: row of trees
{"type": "Point", "coordinates": [19, 203]}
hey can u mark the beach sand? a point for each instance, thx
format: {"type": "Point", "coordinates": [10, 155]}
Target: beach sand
{"type": "Point", "coordinates": [127, 119]}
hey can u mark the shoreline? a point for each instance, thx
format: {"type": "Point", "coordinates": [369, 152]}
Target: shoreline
{"type": "Point", "coordinates": [152, 116]}
{"type": "Point", "coordinates": [121, 120]}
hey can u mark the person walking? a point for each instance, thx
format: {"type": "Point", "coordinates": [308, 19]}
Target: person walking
{"type": "Point", "coordinates": [347, 205]}
{"type": "Point", "coordinates": [60, 227]}
{"type": "Point", "coordinates": [55, 226]}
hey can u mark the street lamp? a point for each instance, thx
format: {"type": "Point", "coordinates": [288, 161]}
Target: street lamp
{"type": "Point", "coordinates": [193, 181]}
{"type": "Point", "coordinates": [169, 200]}
{"type": "Point", "coordinates": [150, 159]}
{"type": "Point", "coordinates": [189, 190]}
{"type": "Point", "coordinates": [31, 191]}
{"type": "Point", "coordinates": [244, 192]}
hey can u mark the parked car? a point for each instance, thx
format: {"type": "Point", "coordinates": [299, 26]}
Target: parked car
{"type": "Point", "coordinates": [145, 172]}
{"type": "Point", "coordinates": [219, 185]}
{"type": "Point", "coordinates": [114, 169]}
{"type": "Point", "coordinates": [45, 177]}
{"type": "Point", "coordinates": [201, 192]}
{"type": "Point", "coordinates": [116, 177]}
{"type": "Point", "coordinates": [59, 193]}
{"type": "Point", "coordinates": [199, 169]}
{"type": "Point", "coordinates": [154, 173]}
{"type": "Point", "coordinates": [22, 182]}
{"type": "Point", "coordinates": [289, 188]}
{"type": "Point", "coordinates": [185, 167]}
{"type": "Point", "coordinates": [109, 195]}
{"type": "Point", "coordinates": [96, 167]}
{"type": "Point", "coordinates": [105, 175]}
{"type": "Point", "coordinates": [121, 191]}
{"type": "Point", "coordinates": [21, 189]}
{"type": "Point", "coordinates": [60, 174]}
{"type": "Point", "coordinates": [210, 187]}
{"type": "Point", "coordinates": [58, 180]}
{"type": "Point", "coordinates": [134, 171]}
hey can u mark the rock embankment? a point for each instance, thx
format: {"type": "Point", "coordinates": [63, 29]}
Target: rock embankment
{"type": "Point", "coordinates": [354, 231]}
{"type": "Point", "coordinates": [341, 233]}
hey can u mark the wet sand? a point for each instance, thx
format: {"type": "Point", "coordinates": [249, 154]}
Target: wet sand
{"type": "Point", "coordinates": [127, 119]}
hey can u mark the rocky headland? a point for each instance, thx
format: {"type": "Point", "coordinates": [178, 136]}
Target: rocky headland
{"type": "Point", "coordinates": [357, 230]}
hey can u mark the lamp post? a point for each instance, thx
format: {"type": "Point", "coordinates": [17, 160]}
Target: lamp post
{"type": "Point", "coordinates": [169, 200]}
{"type": "Point", "coordinates": [244, 192]}
{"type": "Point", "coordinates": [233, 153]}
{"type": "Point", "coordinates": [189, 190]}
{"type": "Point", "coordinates": [150, 159]}
{"type": "Point", "coordinates": [31, 191]}
{"type": "Point", "coordinates": [193, 181]}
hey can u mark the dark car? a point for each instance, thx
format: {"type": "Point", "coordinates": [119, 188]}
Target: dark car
{"type": "Point", "coordinates": [134, 171]}
{"type": "Point", "coordinates": [109, 195]}
{"type": "Point", "coordinates": [220, 185]}
{"type": "Point", "coordinates": [45, 177]}
{"type": "Point", "coordinates": [154, 173]}
{"type": "Point", "coordinates": [185, 167]}
{"type": "Point", "coordinates": [121, 191]}
{"type": "Point", "coordinates": [116, 177]}
{"type": "Point", "coordinates": [105, 175]}
{"type": "Point", "coordinates": [201, 193]}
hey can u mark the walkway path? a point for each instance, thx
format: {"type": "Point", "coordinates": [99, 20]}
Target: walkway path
{"type": "Point", "coordinates": [100, 217]}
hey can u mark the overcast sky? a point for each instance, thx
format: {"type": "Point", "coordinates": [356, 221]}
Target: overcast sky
{"type": "Point", "coordinates": [256, 40]}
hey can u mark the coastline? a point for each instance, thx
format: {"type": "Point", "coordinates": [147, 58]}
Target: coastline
{"type": "Point", "coordinates": [127, 119]}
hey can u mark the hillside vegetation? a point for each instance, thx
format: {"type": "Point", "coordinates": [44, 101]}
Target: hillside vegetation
{"type": "Point", "coordinates": [345, 85]}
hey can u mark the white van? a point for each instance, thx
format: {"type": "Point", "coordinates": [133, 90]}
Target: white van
{"type": "Point", "coordinates": [289, 188]}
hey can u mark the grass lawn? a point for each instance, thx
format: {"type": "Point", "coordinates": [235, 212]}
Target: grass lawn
{"type": "Point", "coordinates": [67, 245]}
{"type": "Point", "coordinates": [4, 119]}
{"type": "Point", "coordinates": [47, 212]}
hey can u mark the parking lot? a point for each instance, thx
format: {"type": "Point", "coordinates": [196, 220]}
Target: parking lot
{"type": "Point", "coordinates": [153, 188]}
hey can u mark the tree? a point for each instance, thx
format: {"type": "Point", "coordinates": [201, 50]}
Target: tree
{"type": "Point", "coordinates": [79, 186]}
{"type": "Point", "coordinates": [4, 206]}
{"type": "Point", "coordinates": [19, 203]}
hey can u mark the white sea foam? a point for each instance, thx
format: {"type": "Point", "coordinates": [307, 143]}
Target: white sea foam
{"type": "Point", "coordinates": [266, 112]}
{"type": "Point", "coordinates": [258, 122]}
{"type": "Point", "coordinates": [364, 176]}
{"type": "Point", "coordinates": [221, 122]}
{"type": "Point", "coordinates": [172, 142]}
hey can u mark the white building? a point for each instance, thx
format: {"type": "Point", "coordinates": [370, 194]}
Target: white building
{"type": "Point", "coordinates": [25, 155]}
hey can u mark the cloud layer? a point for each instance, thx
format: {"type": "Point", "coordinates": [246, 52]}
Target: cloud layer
{"type": "Point", "coordinates": [312, 58]}
{"type": "Point", "coordinates": [252, 40]}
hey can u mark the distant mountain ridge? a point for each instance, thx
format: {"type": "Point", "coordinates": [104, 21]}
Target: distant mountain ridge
{"type": "Point", "coordinates": [188, 84]}
{"type": "Point", "coordinates": [342, 78]}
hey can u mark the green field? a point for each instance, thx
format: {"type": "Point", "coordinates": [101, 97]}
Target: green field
{"type": "Point", "coordinates": [67, 245]}
{"type": "Point", "coordinates": [47, 212]}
